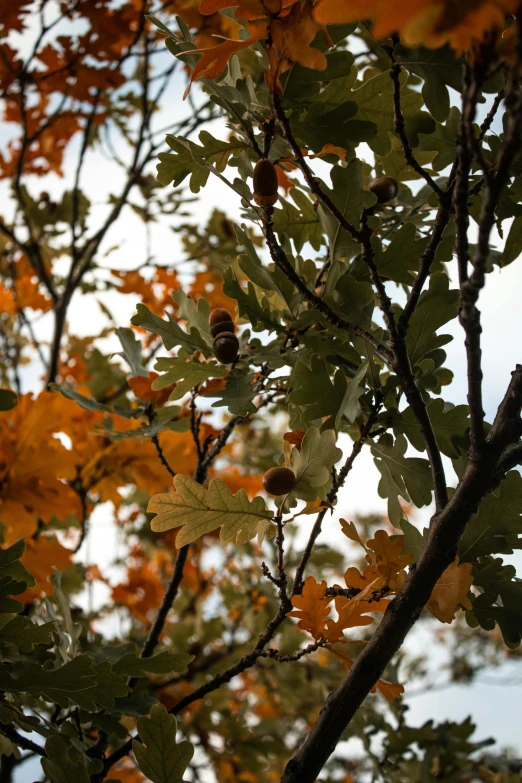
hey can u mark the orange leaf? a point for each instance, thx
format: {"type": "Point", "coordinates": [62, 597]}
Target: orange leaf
{"type": "Point", "coordinates": [386, 556]}
{"type": "Point", "coordinates": [40, 558]}
{"type": "Point", "coordinates": [290, 39]}
{"type": "Point", "coordinates": [312, 608]}
{"type": "Point", "coordinates": [451, 591]}
{"type": "Point", "coordinates": [351, 614]}
{"type": "Point", "coordinates": [142, 388]}
{"type": "Point", "coordinates": [295, 438]}
{"type": "Point", "coordinates": [214, 59]}
{"type": "Point", "coordinates": [330, 149]}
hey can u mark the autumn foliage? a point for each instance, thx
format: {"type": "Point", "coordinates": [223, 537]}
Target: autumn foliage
{"type": "Point", "coordinates": [171, 611]}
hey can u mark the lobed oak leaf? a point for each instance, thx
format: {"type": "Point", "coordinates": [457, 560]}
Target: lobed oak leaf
{"type": "Point", "coordinates": [312, 608]}
{"type": "Point", "coordinates": [385, 556]}
{"type": "Point", "coordinates": [451, 591]}
{"type": "Point", "coordinates": [142, 388]}
{"type": "Point", "coordinates": [214, 59]}
{"type": "Point", "coordinates": [199, 511]}
{"type": "Point", "coordinates": [352, 613]}
{"type": "Point", "coordinates": [289, 43]}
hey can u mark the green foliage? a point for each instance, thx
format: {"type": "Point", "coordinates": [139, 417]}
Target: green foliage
{"type": "Point", "coordinates": [161, 758]}
{"type": "Point", "coordinates": [408, 477]}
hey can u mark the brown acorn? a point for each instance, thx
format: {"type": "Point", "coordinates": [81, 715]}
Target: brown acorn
{"type": "Point", "coordinates": [226, 347]}
{"type": "Point", "coordinates": [279, 481]}
{"type": "Point", "coordinates": [385, 188]}
{"type": "Point", "coordinates": [265, 183]}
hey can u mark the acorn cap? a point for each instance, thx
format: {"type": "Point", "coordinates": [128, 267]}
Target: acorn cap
{"type": "Point", "coordinates": [218, 315]}
{"type": "Point", "coordinates": [222, 326]}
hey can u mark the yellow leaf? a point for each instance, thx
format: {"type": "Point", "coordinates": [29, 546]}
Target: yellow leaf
{"type": "Point", "coordinates": [201, 510]}
{"type": "Point", "coordinates": [451, 591]}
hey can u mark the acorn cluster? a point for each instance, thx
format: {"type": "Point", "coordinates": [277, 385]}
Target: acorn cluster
{"type": "Point", "coordinates": [265, 183]}
{"type": "Point", "coordinates": [226, 344]}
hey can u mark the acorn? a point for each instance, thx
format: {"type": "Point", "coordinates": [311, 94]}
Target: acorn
{"type": "Point", "coordinates": [385, 188]}
{"type": "Point", "coordinates": [220, 321]}
{"type": "Point", "coordinates": [279, 481]}
{"type": "Point", "coordinates": [226, 346]}
{"type": "Point", "coordinates": [265, 183]}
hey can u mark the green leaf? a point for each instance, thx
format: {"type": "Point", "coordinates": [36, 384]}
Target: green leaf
{"type": "Point", "coordinates": [56, 685]}
{"type": "Point", "coordinates": [442, 140]}
{"type": "Point", "coordinates": [313, 388]}
{"type": "Point", "coordinates": [202, 510]}
{"type": "Point", "coordinates": [299, 222]}
{"type": "Point", "coordinates": [177, 165]}
{"type": "Point", "coordinates": [350, 198]}
{"type": "Point", "coordinates": [313, 464]}
{"type": "Point", "coordinates": [400, 259]}
{"type": "Point", "coordinates": [161, 758]}
{"type": "Point", "coordinates": [409, 477]}
{"type": "Point", "coordinates": [89, 404]}
{"type": "Point", "coordinates": [351, 298]}
{"type": "Point", "coordinates": [513, 246]}
{"type": "Point", "coordinates": [436, 306]}
{"type": "Point", "coordinates": [495, 528]}
{"type": "Point", "coordinates": [450, 424]}
{"type": "Point", "coordinates": [238, 394]}
{"type": "Point", "coordinates": [488, 614]}
{"type": "Point", "coordinates": [186, 372]}
{"type": "Point", "coordinates": [108, 687]}
{"type": "Point", "coordinates": [258, 313]}
{"type": "Point", "coordinates": [169, 331]}
{"type": "Point", "coordinates": [438, 68]}
{"type": "Point", "coordinates": [322, 125]}
{"type": "Point", "coordinates": [196, 315]}
{"type": "Point", "coordinates": [375, 100]}
{"type": "Point", "coordinates": [8, 399]}
{"type": "Point", "coordinates": [22, 633]}
{"type": "Point", "coordinates": [131, 351]}
{"type": "Point", "coordinates": [164, 419]}
{"type": "Point", "coordinates": [414, 540]}
{"type": "Point", "coordinates": [10, 565]}
{"type": "Point", "coordinates": [164, 662]}
{"type": "Point", "coordinates": [59, 767]}
{"type": "Point", "coordinates": [499, 581]}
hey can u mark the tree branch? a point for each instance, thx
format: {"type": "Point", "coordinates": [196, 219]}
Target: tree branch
{"type": "Point", "coordinates": [281, 261]}
{"type": "Point", "coordinates": [480, 478]}
{"type": "Point", "coordinates": [312, 183]}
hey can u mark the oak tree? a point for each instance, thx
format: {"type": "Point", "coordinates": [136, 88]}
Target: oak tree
{"type": "Point", "coordinates": [242, 627]}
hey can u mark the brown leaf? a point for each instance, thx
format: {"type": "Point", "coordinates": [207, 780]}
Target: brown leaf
{"type": "Point", "coordinates": [451, 591]}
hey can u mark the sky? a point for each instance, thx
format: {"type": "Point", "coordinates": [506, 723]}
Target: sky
{"type": "Point", "coordinates": [502, 338]}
